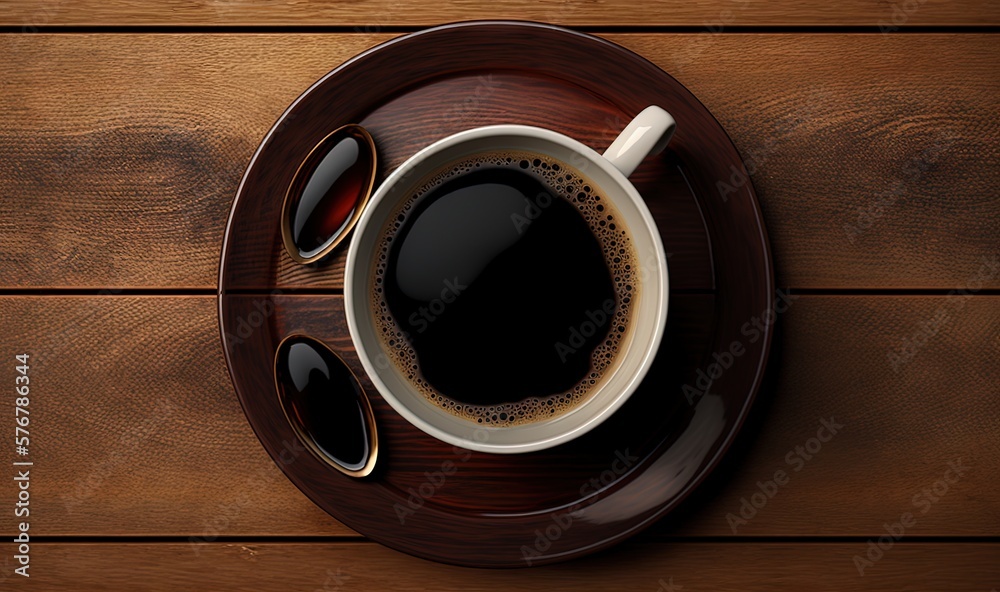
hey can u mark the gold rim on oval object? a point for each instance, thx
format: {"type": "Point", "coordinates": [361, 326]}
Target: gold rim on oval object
{"type": "Point", "coordinates": [366, 409]}
{"type": "Point", "coordinates": [294, 187]}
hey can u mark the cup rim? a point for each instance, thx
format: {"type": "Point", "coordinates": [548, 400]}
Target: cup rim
{"type": "Point", "coordinates": [652, 347]}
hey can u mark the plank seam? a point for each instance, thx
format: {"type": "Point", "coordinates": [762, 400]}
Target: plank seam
{"type": "Point", "coordinates": [291, 291]}
{"type": "Point", "coordinates": [371, 29]}
{"type": "Point", "coordinates": [965, 539]}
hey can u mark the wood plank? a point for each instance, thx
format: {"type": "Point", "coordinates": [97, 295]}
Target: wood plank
{"type": "Point", "coordinates": [119, 154]}
{"type": "Point", "coordinates": [674, 189]}
{"type": "Point", "coordinates": [146, 435]}
{"type": "Point", "coordinates": [904, 421]}
{"type": "Point", "coordinates": [382, 13]}
{"type": "Point", "coordinates": [142, 433]}
{"type": "Point", "coordinates": [859, 168]}
{"type": "Point", "coordinates": [650, 566]}
{"type": "Point", "coordinates": [126, 180]}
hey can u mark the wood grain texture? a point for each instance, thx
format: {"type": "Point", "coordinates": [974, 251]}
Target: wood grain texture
{"type": "Point", "coordinates": [670, 443]}
{"type": "Point", "coordinates": [666, 445]}
{"type": "Point", "coordinates": [143, 433]}
{"type": "Point", "coordinates": [902, 424]}
{"type": "Point", "coordinates": [154, 151]}
{"type": "Point", "coordinates": [128, 184]}
{"type": "Point", "coordinates": [381, 13]}
{"type": "Point", "coordinates": [674, 185]}
{"type": "Point", "coordinates": [147, 438]}
{"type": "Point", "coordinates": [263, 567]}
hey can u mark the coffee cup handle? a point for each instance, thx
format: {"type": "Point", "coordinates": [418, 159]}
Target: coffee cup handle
{"type": "Point", "coordinates": [645, 135]}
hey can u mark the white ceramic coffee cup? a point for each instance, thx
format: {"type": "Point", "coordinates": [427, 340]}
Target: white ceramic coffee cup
{"type": "Point", "coordinates": [648, 133]}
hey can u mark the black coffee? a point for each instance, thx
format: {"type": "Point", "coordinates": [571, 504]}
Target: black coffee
{"type": "Point", "coordinates": [504, 286]}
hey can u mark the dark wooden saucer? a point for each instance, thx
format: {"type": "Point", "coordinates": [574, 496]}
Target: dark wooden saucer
{"type": "Point", "coordinates": [428, 498]}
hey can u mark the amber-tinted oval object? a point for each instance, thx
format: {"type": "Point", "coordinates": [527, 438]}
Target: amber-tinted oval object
{"type": "Point", "coordinates": [328, 193]}
{"type": "Point", "coordinates": [326, 405]}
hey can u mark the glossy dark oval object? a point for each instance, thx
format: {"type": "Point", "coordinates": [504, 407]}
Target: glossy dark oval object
{"type": "Point", "coordinates": [328, 193]}
{"type": "Point", "coordinates": [326, 405]}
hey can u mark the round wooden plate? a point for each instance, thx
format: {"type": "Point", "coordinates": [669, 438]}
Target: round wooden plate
{"type": "Point", "coordinates": [448, 504]}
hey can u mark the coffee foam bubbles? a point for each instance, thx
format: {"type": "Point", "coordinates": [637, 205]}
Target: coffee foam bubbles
{"type": "Point", "coordinates": [568, 184]}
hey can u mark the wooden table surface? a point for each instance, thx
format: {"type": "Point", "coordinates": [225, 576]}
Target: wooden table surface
{"type": "Point", "coordinates": [870, 127]}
